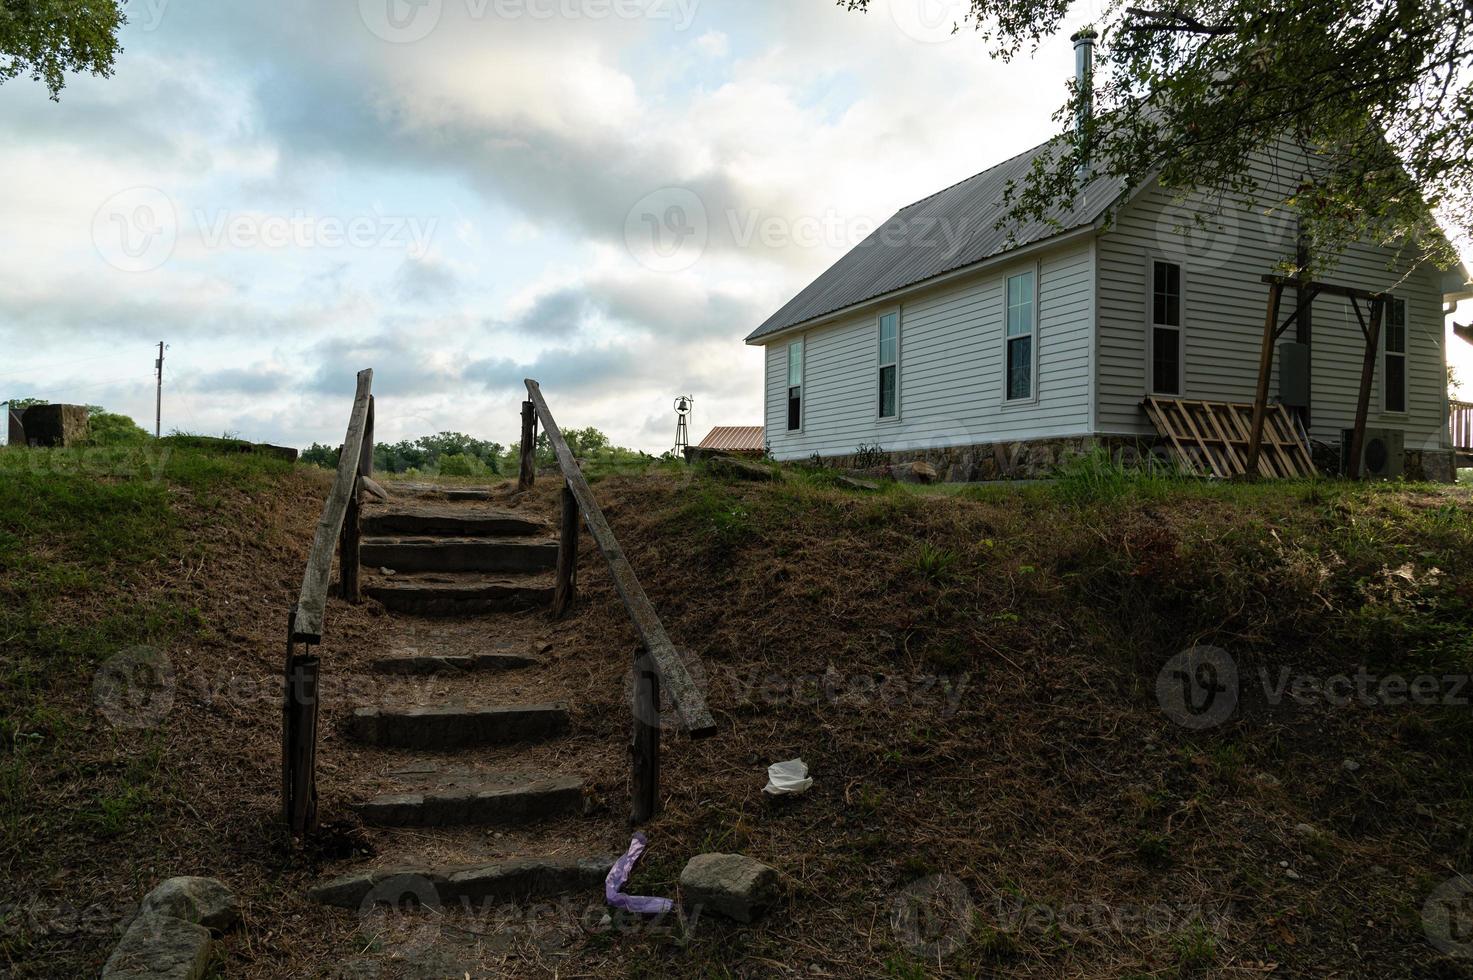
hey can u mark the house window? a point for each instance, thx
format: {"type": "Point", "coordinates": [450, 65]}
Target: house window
{"type": "Point", "coordinates": [1166, 329]}
{"type": "Point", "coordinates": [1394, 382]}
{"type": "Point", "coordinates": [1020, 331]}
{"type": "Point", "coordinates": [889, 364]}
{"type": "Point", "coordinates": [795, 386]}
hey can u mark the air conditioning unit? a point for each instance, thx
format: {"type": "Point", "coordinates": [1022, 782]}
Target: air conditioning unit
{"type": "Point", "coordinates": [1382, 456]}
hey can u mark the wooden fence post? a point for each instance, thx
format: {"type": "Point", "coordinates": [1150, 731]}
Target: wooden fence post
{"type": "Point", "coordinates": [1363, 401]}
{"type": "Point", "coordinates": [567, 557]}
{"type": "Point", "coordinates": [528, 474]}
{"type": "Point", "coordinates": [644, 745]}
{"type": "Point", "coordinates": [1265, 368]}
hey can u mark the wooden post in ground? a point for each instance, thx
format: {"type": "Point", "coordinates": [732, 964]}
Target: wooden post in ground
{"type": "Point", "coordinates": [1265, 368]}
{"type": "Point", "coordinates": [528, 474]}
{"type": "Point", "coordinates": [644, 746]}
{"type": "Point", "coordinates": [1363, 400]}
{"type": "Point", "coordinates": [567, 556]}
{"type": "Point", "coordinates": [299, 736]}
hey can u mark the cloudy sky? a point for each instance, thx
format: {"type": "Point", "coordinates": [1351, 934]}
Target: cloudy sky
{"type": "Point", "coordinates": [607, 195]}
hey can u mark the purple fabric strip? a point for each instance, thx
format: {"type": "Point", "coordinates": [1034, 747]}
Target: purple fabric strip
{"type": "Point", "coordinates": [619, 877]}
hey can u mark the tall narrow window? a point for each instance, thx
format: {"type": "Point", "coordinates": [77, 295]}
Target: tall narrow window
{"type": "Point", "coordinates": [1394, 382]}
{"type": "Point", "coordinates": [1166, 329]}
{"type": "Point", "coordinates": [795, 386]}
{"type": "Point", "coordinates": [889, 364]}
{"type": "Point", "coordinates": [1020, 331]}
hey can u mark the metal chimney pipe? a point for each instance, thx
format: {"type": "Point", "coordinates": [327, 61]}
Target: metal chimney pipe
{"type": "Point", "coordinates": [1084, 71]}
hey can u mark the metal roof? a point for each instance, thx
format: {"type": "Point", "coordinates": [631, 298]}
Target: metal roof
{"type": "Point", "coordinates": [736, 438]}
{"type": "Point", "coordinates": [949, 230]}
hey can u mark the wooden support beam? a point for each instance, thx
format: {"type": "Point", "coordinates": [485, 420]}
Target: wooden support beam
{"type": "Point", "coordinates": [567, 557]}
{"type": "Point", "coordinates": [1363, 399]}
{"type": "Point", "coordinates": [312, 605]}
{"type": "Point", "coordinates": [644, 745]}
{"type": "Point", "coordinates": [689, 701]}
{"type": "Point", "coordinates": [527, 475]}
{"type": "Point", "coordinates": [1265, 368]}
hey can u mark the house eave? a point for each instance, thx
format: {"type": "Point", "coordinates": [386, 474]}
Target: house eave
{"type": "Point", "coordinates": [1000, 259]}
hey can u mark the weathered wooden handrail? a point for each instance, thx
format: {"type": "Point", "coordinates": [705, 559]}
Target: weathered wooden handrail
{"type": "Point", "coordinates": [657, 664]}
{"type": "Point", "coordinates": [689, 702]}
{"type": "Point", "coordinates": [312, 606]}
{"type": "Point", "coordinates": [339, 522]}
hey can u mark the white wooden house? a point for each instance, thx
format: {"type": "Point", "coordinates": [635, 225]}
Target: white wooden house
{"type": "Point", "coordinates": [938, 337]}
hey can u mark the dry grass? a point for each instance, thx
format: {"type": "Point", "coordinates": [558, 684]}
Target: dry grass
{"type": "Point", "coordinates": [1089, 834]}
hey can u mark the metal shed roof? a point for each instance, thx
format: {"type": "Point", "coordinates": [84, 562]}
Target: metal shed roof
{"type": "Point", "coordinates": [735, 438]}
{"type": "Point", "coordinates": [947, 231]}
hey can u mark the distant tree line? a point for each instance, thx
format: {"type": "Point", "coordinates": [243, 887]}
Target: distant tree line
{"type": "Point", "coordinates": [457, 454]}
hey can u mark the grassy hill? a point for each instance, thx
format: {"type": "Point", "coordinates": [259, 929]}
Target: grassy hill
{"type": "Point", "coordinates": [974, 677]}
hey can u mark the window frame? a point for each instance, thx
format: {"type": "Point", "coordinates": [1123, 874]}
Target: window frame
{"type": "Point", "coordinates": [1033, 269]}
{"type": "Point", "coordinates": [881, 364]}
{"type": "Point", "coordinates": [800, 342]}
{"type": "Point", "coordinates": [1387, 353]}
{"type": "Point", "coordinates": [1153, 260]}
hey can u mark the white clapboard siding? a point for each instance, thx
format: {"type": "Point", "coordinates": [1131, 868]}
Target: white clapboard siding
{"type": "Point", "coordinates": [951, 357]}
{"type": "Point", "coordinates": [1225, 304]}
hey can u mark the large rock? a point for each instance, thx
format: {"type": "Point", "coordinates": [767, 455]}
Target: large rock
{"type": "Point", "coordinates": [160, 947]}
{"type": "Point", "coordinates": [732, 885]}
{"type": "Point", "coordinates": [732, 468]}
{"type": "Point", "coordinates": [918, 471]}
{"type": "Point", "coordinates": [203, 901]}
{"type": "Point", "coordinates": [56, 425]}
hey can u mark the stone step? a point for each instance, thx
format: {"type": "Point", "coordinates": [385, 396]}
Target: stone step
{"type": "Point", "coordinates": [484, 805]}
{"type": "Point", "coordinates": [456, 726]}
{"type": "Point", "coordinates": [446, 554]}
{"type": "Point", "coordinates": [463, 594]}
{"type": "Point", "coordinates": [508, 881]}
{"type": "Point", "coordinates": [457, 663]}
{"type": "Point", "coordinates": [458, 521]}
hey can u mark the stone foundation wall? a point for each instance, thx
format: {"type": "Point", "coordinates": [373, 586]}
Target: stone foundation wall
{"type": "Point", "coordinates": [1024, 460]}
{"type": "Point", "coordinates": [1039, 458]}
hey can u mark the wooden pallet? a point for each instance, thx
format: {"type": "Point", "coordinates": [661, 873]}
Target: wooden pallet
{"type": "Point", "coordinates": [1211, 438]}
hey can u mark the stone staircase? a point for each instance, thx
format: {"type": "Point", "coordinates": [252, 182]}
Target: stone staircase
{"type": "Point", "coordinates": [448, 558]}
{"type": "Point", "coordinates": [467, 783]}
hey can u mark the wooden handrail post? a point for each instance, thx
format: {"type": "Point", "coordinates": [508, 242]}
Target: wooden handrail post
{"type": "Point", "coordinates": [644, 745]}
{"type": "Point", "coordinates": [299, 736]}
{"type": "Point", "coordinates": [1265, 368]}
{"type": "Point", "coordinates": [528, 473]}
{"type": "Point", "coordinates": [1363, 400]}
{"type": "Point", "coordinates": [567, 556]}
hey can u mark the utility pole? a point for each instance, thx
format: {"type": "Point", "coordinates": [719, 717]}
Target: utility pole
{"type": "Point", "coordinates": [158, 405]}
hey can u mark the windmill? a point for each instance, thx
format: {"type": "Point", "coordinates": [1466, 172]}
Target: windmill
{"type": "Point", "coordinates": [682, 424]}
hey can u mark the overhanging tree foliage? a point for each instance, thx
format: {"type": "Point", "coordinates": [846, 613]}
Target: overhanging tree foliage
{"type": "Point", "coordinates": [48, 38]}
{"type": "Point", "coordinates": [1192, 91]}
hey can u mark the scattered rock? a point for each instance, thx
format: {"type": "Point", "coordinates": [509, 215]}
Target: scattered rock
{"type": "Point", "coordinates": [1350, 765]}
{"type": "Point", "coordinates": [374, 488]}
{"type": "Point", "coordinates": [160, 947]}
{"type": "Point", "coordinates": [202, 901]}
{"type": "Point", "coordinates": [1305, 830]}
{"type": "Point", "coordinates": [732, 468]}
{"type": "Point", "coordinates": [854, 483]}
{"type": "Point", "coordinates": [732, 885]}
{"type": "Point", "coordinates": [918, 471]}
{"type": "Point", "coordinates": [1291, 874]}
